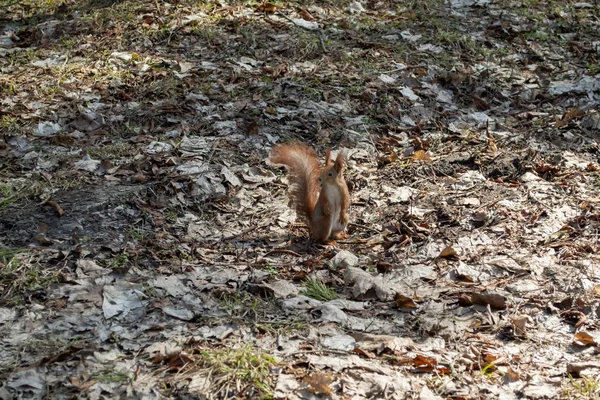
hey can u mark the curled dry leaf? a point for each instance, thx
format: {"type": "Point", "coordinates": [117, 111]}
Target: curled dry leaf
{"type": "Point", "coordinates": [268, 7]}
{"type": "Point", "coordinates": [464, 278]}
{"type": "Point", "coordinates": [318, 383]}
{"type": "Point", "coordinates": [421, 155]}
{"type": "Point", "coordinates": [55, 205]}
{"type": "Point", "coordinates": [424, 364]}
{"type": "Point", "coordinates": [387, 159]}
{"type": "Point", "coordinates": [140, 177]}
{"type": "Point", "coordinates": [383, 266]}
{"type": "Point", "coordinates": [404, 302]}
{"type": "Point", "coordinates": [584, 339]}
{"type": "Point", "coordinates": [520, 324]}
{"type": "Point", "coordinates": [449, 252]}
{"type": "Point", "coordinates": [494, 300]}
{"type": "Point", "coordinates": [179, 361]}
{"type": "Point", "coordinates": [363, 352]}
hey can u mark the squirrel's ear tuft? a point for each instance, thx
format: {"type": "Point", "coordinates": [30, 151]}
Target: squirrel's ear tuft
{"type": "Point", "coordinates": [328, 158]}
{"type": "Point", "coordinates": [339, 162]}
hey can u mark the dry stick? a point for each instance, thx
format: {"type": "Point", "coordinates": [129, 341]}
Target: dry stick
{"type": "Point", "coordinates": [364, 227]}
{"type": "Point", "coordinates": [244, 232]}
{"type": "Point", "coordinates": [283, 251]}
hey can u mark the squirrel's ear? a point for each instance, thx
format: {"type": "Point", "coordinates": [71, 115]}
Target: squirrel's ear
{"type": "Point", "coordinates": [339, 162]}
{"type": "Point", "coordinates": [328, 158]}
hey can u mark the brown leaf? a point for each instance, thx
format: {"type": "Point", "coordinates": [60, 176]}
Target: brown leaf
{"type": "Point", "coordinates": [448, 252]}
{"type": "Point", "coordinates": [62, 140]}
{"type": "Point", "coordinates": [42, 239]}
{"type": "Point", "coordinates": [591, 167]}
{"type": "Point", "coordinates": [464, 278]}
{"type": "Point", "coordinates": [491, 144]}
{"type": "Point", "coordinates": [383, 267]}
{"type": "Point", "coordinates": [421, 155]}
{"type": "Point", "coordinates": [584, 339]}
{"type": "Point", "coordinates": [55, 205]}
{"type": "Point", "coordinates": [280, 70]}
{"type": "Point", "coordinates": [387, 159]}
{"type": "Point", "coordinates": [306, 15]}
{"type": "Point", "coordinates": [318, 383]}
{"type": "Point", "coordinates": [494, 300]}
{"type": "Point", "coordinates": [428, 364]}
{"type": "Point", "coordinates": [87, 385]}
{"type": "Point", "coordinates": [252, 129]}
{"type": "Point", "coordinates": [140, 177]}
{"type": "Point", "coordinates": [545, 168]}
{"type": "Point", "coordinates": [268, 7]}
{"type": "Point", "coordinates": [404, 302]}
{"type": "Point", "coordinates": [179, 361]}
{"type": "Point", "coordinates": [520, 324]}
{"type": "Point", "coordinates": [363, 352]}
{"type": "Point", "coordinates": [480, 104]}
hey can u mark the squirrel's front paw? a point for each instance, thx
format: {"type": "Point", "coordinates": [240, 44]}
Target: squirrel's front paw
{"type": "Point", "coordinates": [328, 243]}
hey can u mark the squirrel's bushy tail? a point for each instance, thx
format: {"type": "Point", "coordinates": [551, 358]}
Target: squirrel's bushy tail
{"type": "Point", "coordinates": [303, 169]}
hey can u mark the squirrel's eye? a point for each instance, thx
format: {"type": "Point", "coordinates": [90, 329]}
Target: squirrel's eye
{"type": "Point", "coordinates": [331, 174]}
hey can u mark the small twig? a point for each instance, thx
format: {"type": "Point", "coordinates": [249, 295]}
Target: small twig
{"type": "Point", "coordinates": [491, 203]}
{"type": "Point", "coordinates": [529, 196]}
{"type": "Point", "coordinates": [283, 251]}
{"type": "Point", "coordinates": [245, 232]}
{"type": "Point", "coordinates": [364, 227]}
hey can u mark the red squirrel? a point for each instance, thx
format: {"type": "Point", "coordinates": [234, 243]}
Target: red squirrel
{"type": "Point", "coordinates": [320, 194]}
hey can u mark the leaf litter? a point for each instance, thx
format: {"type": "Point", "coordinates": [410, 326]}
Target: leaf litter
{"type": "Point", "coordinates": [147, 249]}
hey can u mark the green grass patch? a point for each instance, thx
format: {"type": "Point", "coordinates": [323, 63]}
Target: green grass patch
{"type": "Point", "coordinates": [246, 368]}
{"type": "Point", "coordinates": [318, 290]}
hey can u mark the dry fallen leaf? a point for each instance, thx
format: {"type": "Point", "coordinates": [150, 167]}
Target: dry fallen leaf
{"type": "Point", "coordinates": [318, 383]}
{"type": "Point", "coordinates": [520, 324]}
{"type": "Point", "coordinates": [494, 300]}
{"type": "Point", "coordinates": [404, 302]}
{"type": "Point", "coordinates": [363, 352]}
{"type": "Point", "coordinates": [449, 252]}
{"type": "Point", "coordinates": [55, 205]}
{"type": "Point", "coordinates": [179, 361]}
{"type": "Point", "coordinates": [387, 159]}
{"type": "Point", "coordinates": [585, 339]}
{"type": "Point", "coordinates": [424, 364]}
{"type": "Point", "coordinates": [421, 155]}
{"type": "Point", "coordinates": [140, 177]}
{"type": "Point", "coordinates": [268, 7]}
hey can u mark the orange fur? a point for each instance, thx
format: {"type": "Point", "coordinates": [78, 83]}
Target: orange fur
{"type": "Point", "coordinates": [325, 211]}
{"type": "Point", "coordinates": [303, 167]}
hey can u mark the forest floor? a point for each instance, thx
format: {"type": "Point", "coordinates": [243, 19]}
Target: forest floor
{"type": "Point", "coordinates": [147, 249]}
